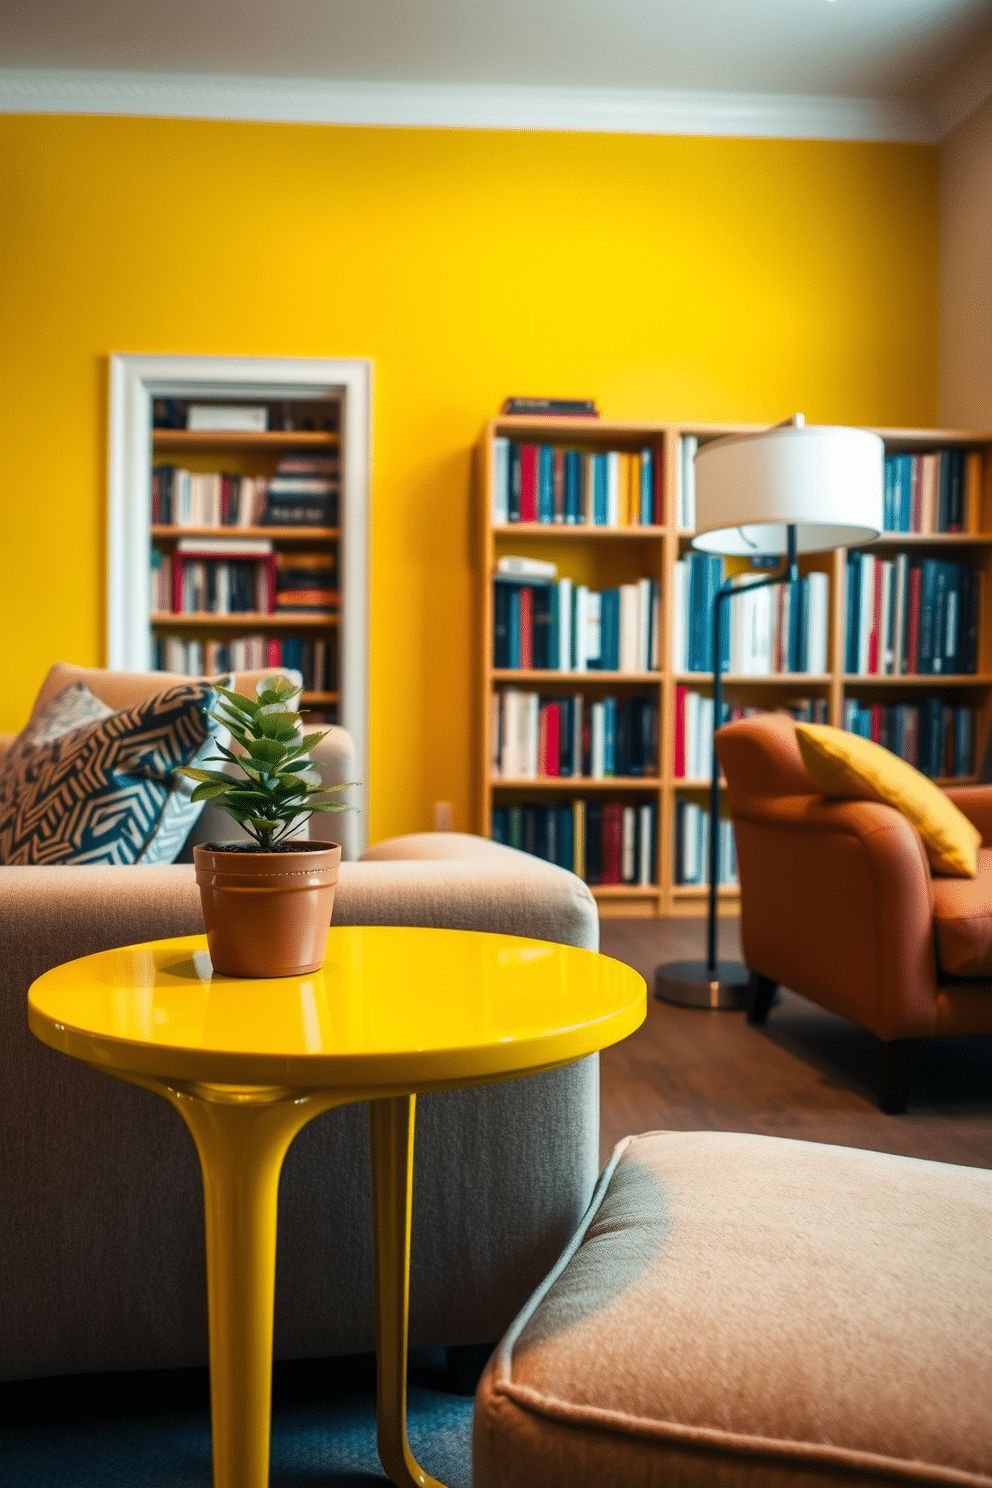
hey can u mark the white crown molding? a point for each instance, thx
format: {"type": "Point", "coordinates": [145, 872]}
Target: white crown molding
{"type": "Point", "coordinates": [598, 110]}
{"type": "Point", "coordinates": [963, 92]}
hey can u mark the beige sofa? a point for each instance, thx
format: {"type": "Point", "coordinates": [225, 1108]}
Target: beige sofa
{"type": "Point", "coordinates": [101, 1225]}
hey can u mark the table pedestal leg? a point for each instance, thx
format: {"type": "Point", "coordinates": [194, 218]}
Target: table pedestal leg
{"type": "Point", "coordinates": [241, 1146]}
{"type": "Point", "coordinates": [391, 1128]}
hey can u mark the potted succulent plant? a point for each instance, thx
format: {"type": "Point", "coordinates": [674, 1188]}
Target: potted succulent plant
{"type": "Point", "coordinates": [267, 901]}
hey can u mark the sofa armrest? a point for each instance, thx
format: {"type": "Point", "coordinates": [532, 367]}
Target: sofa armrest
{"type": "Point", "coordinates": [975, 801]}
{"type": "Point", "coordinates": [452, 879]}
{"type": "Point", "coordinates": [837, 904]}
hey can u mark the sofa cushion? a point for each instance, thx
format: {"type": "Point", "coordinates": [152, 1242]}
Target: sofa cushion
{"type": "Point", "coordinates": [754, 1311]}
{"type": "Point", "coordinates": [103, 791]}
{"type": "Point", "coordinates": [962, 919]}
{"type": "Point", "coordinates": [856, 769]}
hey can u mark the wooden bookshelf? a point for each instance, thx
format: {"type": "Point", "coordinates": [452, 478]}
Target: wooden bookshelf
{"type": "Point", "coordinates": [605, 556]}
{"type": "Point", "coordinates": [194, 637]}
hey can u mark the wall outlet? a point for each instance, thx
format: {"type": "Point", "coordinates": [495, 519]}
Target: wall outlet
{"type": "Point", "coordinates": [442, 816]}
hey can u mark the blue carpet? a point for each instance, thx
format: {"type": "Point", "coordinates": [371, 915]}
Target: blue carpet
{"type": "Point", "coordinates": [331, 1443]}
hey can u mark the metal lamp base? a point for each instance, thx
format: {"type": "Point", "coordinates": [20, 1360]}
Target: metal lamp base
{"type": "Point", "coordinates": [691, 984]}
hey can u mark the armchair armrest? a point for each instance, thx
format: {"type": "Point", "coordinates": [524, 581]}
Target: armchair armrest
{"type": "Point", "coordinates": [837, 904]}
{"type": "Point", "coordinates": [975, 801]}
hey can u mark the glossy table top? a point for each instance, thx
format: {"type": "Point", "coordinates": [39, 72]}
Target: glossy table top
{"type": "Point", "coordinates": [391, 1008]}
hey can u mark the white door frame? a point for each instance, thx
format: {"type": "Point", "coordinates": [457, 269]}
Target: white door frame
{"type": "Point", "coordinates": [134, 382]}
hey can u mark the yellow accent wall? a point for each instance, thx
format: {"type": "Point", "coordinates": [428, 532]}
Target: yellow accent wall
{"type": "Point", "coordinates": [667, 277]}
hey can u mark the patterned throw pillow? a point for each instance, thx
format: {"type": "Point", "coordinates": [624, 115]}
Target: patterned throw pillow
{"type": "Point", "coordinates": [103, 791]}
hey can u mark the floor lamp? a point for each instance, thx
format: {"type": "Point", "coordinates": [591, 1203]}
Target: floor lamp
{"type": "Point", "coordinates": [789, 490]}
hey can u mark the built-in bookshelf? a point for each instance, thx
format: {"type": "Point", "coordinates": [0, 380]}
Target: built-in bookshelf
{"type": "Point", "coordinates": [610, 505]}
{"type": "Point", "coordinates": [244, 534]}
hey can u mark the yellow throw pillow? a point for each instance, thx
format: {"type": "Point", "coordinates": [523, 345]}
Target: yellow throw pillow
{"type": "Point", "coordinates": [846, 765]}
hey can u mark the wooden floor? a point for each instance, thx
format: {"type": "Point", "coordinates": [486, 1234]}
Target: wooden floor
{"type": "Point", "coordinates": [804, 1074]}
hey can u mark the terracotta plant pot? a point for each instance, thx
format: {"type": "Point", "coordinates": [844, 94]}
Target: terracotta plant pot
{"type": "Point", "coordinates": [266, 914]}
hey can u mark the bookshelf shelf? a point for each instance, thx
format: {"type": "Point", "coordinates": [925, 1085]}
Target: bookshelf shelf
{"type": "Point", "coordinates": [244, 620]}
{"type": "Point", "coordinates": [602, 556]}
{"type": "Point", "coordinates": [270, 439]}
{"type": "Point", "coordinates": [277, 534]}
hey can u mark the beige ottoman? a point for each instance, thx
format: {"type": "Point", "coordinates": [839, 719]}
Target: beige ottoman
{"type": "Point", "coordinates": [739, 1310]}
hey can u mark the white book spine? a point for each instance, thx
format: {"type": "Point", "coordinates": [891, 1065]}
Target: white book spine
{"type": "Point", "coordinates": [901, 580]}
{"type": "Point", "coordinates": [500, 475]}
{"type": "Point", "coordinates": [680, 614]}
{"type": "Point", "coordinates": [816, 648]}
{"type": "Point", "coordinates": [579, 628]}
{"type": "Point", "coordinates": [593, 631]}
{"type": "Point", "coordinates": [644, 874]}
{"type": "Point", "coordinates": [590, 489]}
{"type": "Point", "coordinates": [564, 625]}
{"type": "Point", "coordinates": [629, 631]}
{"type": "Point", "coordinates": [867, 608]}
{"type": "Point", "coordinates": [628, 838]}
{"type": "Point", "coordinates": [689, 446]}
{"type": "Point", "coordinates": [643, 625]}
{"type": "Point", "coordinates": [532, 723]}
{"type": "Point", "coordinates": [704, 748]}
{"type": "Point", "coordinates": [691, 842]}
{"type": "Point", "coordinates": [654, 657]}
{"type": "Point", "coordinates": [613, 488]}
{"type": "Point", "coordinates": [692, 770]}
{"type": "Point", "coordinates": [598, 741]}
{"type": "Point", "coordinates": [885, 621]}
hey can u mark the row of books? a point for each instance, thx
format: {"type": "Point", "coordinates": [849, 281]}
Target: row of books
{"type": "Point", "coordinates": [937, 737]}
{"type": "Point", "coordinates": [536, 736]}
{"type": "Point", "coordinates": [547, 483]}
{"type": "Point", "coordinates": [604, 842]}
{"type": "Point", "coordinates": [905, 618]}
{"type": "Point", "coordinates": [775, 628]}
{"type": "Point", "coordinates": [314, 658]}
{"type": "Point", "coordinates": [693, 726]}
{"type": "Point", "coordinates": [939, 491]}
{"type": "Point", "coordinates": [221, 576]}
{"type": "Point", "coordinates": [303, 492]}
{"type": "Point", "coordinates": [555, 625]}
{"type": "Point", "coordinates": [692, 846]}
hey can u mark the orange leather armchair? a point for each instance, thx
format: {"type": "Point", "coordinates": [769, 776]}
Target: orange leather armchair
{"type": "Point", "coordinates": [838, 903]}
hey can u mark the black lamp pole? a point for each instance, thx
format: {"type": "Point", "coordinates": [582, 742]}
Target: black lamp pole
{"type": "Point", "coordinates": [713, 983]}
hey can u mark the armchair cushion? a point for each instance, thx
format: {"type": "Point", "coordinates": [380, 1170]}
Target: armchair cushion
{"type": "Point", "coordinates": [962, 920]}
{"type": "Point", "coordinates": [103, 791]}
{"type": "Point", "coordinates": [853, 768]}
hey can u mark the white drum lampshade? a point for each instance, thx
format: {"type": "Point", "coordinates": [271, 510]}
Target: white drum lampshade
{"type": "Point", "coordinates": [826, 481]}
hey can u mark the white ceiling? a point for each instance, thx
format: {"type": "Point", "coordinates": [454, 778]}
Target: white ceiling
{"type": "Point", "coordinates": [926, 60]}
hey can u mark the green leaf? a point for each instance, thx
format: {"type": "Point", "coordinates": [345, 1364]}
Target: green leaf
{"type": "Point", "coordinates": [237, 700]}
{"type": "Point", "coordinates": [327, 806]}
{"type": "Point", "coordinates": [207, 792]}
{"type": "Point", "coordinates": [282, 687]}
{"type": "Point", "coordinates": [268, 751]}
{"type": "Point", "coordinates": [191, 774]}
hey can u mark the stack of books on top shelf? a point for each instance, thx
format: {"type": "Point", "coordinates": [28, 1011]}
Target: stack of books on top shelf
{"type": "Point", "coordinates": [545, 483]}
{"type": "Point", "coordinates": [543, 623]}
{"type": "Point", "coordinates": [935, 492]}
{"type": "Point", "coordinates": [306, 583]}
{"type": "Point", "coordinates": [604, 842]}
{"type": "Point", "coordinates": [193, 657]}
{"type": "Point", "coordinates": [693, 736]}
{"type": "Point", "coordinates": [905, 618]}
{"type": "Point", "coordinates": [571, 736]}
{"type": "Point", "coordinates": [184, 498]}
{"type": "Point", "coordinates": [214, 575]}
{"type": "Point", "coordinates": [692, 838]}
{"type": "Point", "coordinates": [937, 737]}
{"type": "Point", "coordinates": [777, 628]}
{"type": "Point", "coordinates": [304, 492]}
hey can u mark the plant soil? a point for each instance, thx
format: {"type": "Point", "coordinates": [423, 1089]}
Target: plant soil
{"type": "Point", "coordinates": [280, 847]}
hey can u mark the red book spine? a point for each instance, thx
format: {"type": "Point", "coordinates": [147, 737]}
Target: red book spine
{"type": "Point", "coordinates": [270, 583]}
{"type": "Point", "coordinates": [913, 622]}
{"type": "Point", "coordinates": [876, 723]}
{"type": "Point", "coordinates": [542, 741]}
{"type": "Point", "coordinates": [273, 648]}
{"type": "Point", "coordinates": [678, 766]}
{"type": "Point", "coordinates": [552, 739]}
{"type": "Point", "coordinates": [526, 627]}
{"type": "Point", "coordinates": [612, 842]}
{"type": "Point", "coordinates": [156, 499]}
{"type": "Point", "coordinates": [528, 483]}
{"type": "Point", "coordinates": [177, 584]}
{"type": "Point", "coordinates": [876, 615]}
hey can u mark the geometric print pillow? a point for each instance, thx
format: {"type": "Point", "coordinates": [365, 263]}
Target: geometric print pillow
{"type": "Point", "coordinates": [104, 791]}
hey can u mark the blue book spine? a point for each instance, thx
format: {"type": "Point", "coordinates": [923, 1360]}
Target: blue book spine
{"type": "Point", "coordinates": [612, 660]}
{"type": "Point", "coordinates": [802, 631]}
{"type": "Point", "coordinates": [696, 647]}
{"type": "Point", "coordinates": [545, 483]}
{"type": "Point", "coordinates": [904, 509]}
{"type": "Point", "coordinates": [566, 838]}
{"type": "Point", "coordinates": [951, 627]}
{"type": "Point", "coordinates": [609, 736]}
{"type": "Point", "coordinates": [513, 629]}
{"type": "Point", "coordinates": [600, 514]}
{"type": "Point", "coordinates": [944, 492]}
{"type": "Point", "coordinates": [554, 627]}
{"type": "Point", "coordinates": [647, 487]}
{"type": "Point", "coordinates": [795, 601]}
{"type": "Point", "coordinates": [853, 611]}
{"type": "Point", "coordinates": [499, 825]}
{"type": "Point", "coordinates": [714, 577]}
{"type": "Point", "coordinates": [513, 483]}
{"type": "Point", "coordinates": [887, 501]}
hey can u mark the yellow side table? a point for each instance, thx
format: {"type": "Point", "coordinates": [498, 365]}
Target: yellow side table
{"type": "Point", "coordinates": [248, 1063]}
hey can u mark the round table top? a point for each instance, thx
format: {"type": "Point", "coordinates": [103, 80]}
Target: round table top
{"type": "Point", "coordinates": [391, 1009]}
